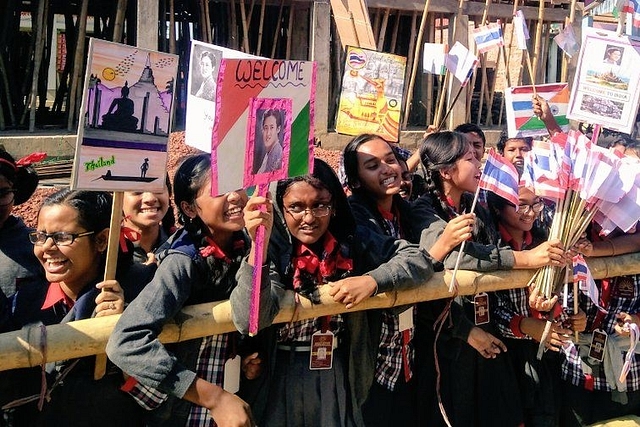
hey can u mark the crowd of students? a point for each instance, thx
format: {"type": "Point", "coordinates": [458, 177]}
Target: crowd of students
{"type": "Point", "coordinates": [378, 228]}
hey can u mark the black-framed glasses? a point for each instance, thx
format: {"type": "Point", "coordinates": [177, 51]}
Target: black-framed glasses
{"type": "Point", "coordinates": [60, 238]}
{"type": "Point", "coordinates": [536, 208]}
{"type": "Point", "coordinates": [298, 212]}
{"type": "Point", "coordinates": [6, 196]}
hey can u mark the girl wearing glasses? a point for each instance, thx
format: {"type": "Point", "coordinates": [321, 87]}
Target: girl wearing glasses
{"type": "Point", "coordinates": [183, 384]}
{"type": "Point", "coordinates": [316, 241]}
{"type": "Point", "coordinates": [70, 242]}
{"type": "Point", "coordinates": [477, 372]}
{"type": "Point", "coordinates": [521, 326]}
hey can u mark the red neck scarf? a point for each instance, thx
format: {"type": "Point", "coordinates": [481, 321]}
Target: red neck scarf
{"type": "Point", "coordinates": [311, 270]}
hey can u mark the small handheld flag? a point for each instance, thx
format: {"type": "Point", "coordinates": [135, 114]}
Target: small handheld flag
{"type": "Point", "coordinates": [488, 37]}
{"type": "Point", "coordinates": [500, 177]}
{"type": "Point", "coordinates": [521, 30]}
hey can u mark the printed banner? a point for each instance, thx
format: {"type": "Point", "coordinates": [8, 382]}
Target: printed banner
{"type": "Point", "coordinates": [201, 91]}
{"type": "Point", "coordinates": [263, 129]}
{"type": "Point", "coordinates": [371, 95]}
{"type": "Point", "coordinates": [522, 122]}
{"type": "Point", "coordinates": [126, 109]}
{"type": "Point", "coordinates": [605, 89]}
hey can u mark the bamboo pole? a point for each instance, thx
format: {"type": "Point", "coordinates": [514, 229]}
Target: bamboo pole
{"type": "Point", "coordinates": [37, 62]}
{"type": "Point", "coordinates": [233, 32]}
{"type": "Point", "coordinates": [394, 36]}
{"type": "Point", "coordinates": [416, 62]}
{"type": "Point", "coordinates": [245, 30]}
{"type": "Point", "coordinates": [483, 71]}
{"type": "Point", "coordinates": [77, 65]}
{"type": "Point", "coordinates": [118, 25]}
{"type": "Point", "coordinates": [565, 58]}
{"type": "Point", "coordinates": [429, 106]}
{"type": "Point", "coordinates": [383, 29]}
{"type": "Point", "coordinates": [538, 44]}
{"type": "Point", "coordinates": [290, 30]}
{"type": "Point", "coordinates": [21, 349]}
{"type": "Point", "coordinates": [276, 36]}
{"type": "Point", "coordinates": [411, 60]}
{"type": "Point", "coordinates": [376, 23]}
{"type": "Point", "coordinates": [5, 82]}
{"type": "Point", "coordinates": [260, 27]}
{"type": "Point", "coordinates": [507, 60]}
{"type": "Point", "coordinates": [207, 21]}
{"type": "Point", "coordinates": [448, 80]}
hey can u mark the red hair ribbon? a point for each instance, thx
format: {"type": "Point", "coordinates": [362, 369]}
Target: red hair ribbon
{"type": "Point", "coordinates": [129, 234]}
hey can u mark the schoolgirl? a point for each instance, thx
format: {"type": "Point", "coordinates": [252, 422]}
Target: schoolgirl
{"type": "Point", "coordinates": [183, 383]}
{"type": "Point", "coordinates": [315, 240]}
{"type": "Point", "coordinates": [521, 326]}
{"type": "Point", "coordinates": [476, 373]}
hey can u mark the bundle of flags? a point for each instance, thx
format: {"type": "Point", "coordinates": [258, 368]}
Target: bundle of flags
{"type": "Point", "coordinates": [586, 182]}
{"type": "Point", "coordinates": [501, 177]}
{"type": "Point", "coordinates": [488, 36]}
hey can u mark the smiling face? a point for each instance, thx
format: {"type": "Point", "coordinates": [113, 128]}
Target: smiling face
{"type": "Point", "coordinates": [514, 151]}
{"type": "Point", "coordinates": [270, 131]}
{"type": "Point", "coordinates": [145, 210]}
{"type": "Point", "coordinates": [73, 266]}
{"type": "Point", "coordinates": [222, 215]}
{"type": "Point", "coordinates": [517, 222]}
{"type": "Point", "coordinates": [464, 175]}
{"type": "Point", "coordinates": [379, 172]}
{"type": "Point", "coordinates": [305, 227]}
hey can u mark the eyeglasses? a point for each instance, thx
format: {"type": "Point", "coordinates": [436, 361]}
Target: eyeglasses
{"type": "Point", "coordinates": [318, 212]}
{"type": "Point", "coordinates": [6, 196]}
{"type": "Point", "coordinates": [60, 238]}
{"type": "Point", "coordinates": [536, 208]}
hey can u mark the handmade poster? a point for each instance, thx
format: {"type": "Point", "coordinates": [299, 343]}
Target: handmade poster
{"type": "Point", "coordinates": [371, 95]}
{"type": "Point", "coordinates": [204, 64]}
{"type": "Point", "coordinates": [433, 57]}
{"type": "Point", "coordinates": [126, 109]}
{"type": "Point", "coordinates": [461, 62]}
{"type": "Point", "coordinates": [263, 129]}
{"type": "Point", "coordinates": [605, 90]}
{"type": "Point", "coordinates": [522, 122]}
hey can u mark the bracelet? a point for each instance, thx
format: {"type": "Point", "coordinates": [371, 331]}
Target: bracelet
{"type": "Point", "coordinates": [613, 247]}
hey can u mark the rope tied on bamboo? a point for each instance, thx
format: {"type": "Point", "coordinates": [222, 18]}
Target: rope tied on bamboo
{"type": "Point", "coordinates": [45, 394]}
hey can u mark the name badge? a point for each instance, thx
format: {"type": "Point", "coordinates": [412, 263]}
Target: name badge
{"type": "Point", "coordinates": [321, 356]}
{"type": "Point", "coordinates": [598, 345]}
{"type": "Point", "coordinates": [624, 288]}
{"type": "Point", "coordinates": [481, 308]}
{"type": "Point", "coordinates": [231, 381]}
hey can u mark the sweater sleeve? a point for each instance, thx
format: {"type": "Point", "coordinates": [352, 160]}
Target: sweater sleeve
{"type": "Point", "coordinates": [393, 263]}
{"type": "Point", "coordinates": [134, 345]}
{"type": "Point", "coordinates": [476, 256]}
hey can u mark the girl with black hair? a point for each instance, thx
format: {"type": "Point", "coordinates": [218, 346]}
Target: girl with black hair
{"type": "Point", "coordinates": [148, 221]}
{"type": "Point", "coordinates": [183, 383]}
{"type": "Point", "coordinates": [315, 240]}
{"type": "Point", "coordinates": [521, 326]}
{"type": "Point", "coordinates": [18, 266]}
{"type": "Point", "coordinates": [478, 372]}
{"type": "Point", "coordinates": [70, 242]}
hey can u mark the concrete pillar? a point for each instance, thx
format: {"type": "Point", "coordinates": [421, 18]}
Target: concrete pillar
{"type": "Point", "coordinates": [147, 18]}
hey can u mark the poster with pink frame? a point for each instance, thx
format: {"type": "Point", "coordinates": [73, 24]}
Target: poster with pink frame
{"type": "Point", "coordinates": [263, 128]}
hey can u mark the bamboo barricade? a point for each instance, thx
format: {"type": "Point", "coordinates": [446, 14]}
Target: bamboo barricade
{"type": "Point", "coordinates": [415, 62]}
{"type": "Point", "coordinates": [75, 93]}
{"type": "Point", "coordinates": [21, 349]}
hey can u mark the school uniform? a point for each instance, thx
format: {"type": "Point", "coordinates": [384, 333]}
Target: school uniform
{"type": "Point", "coordinates": [189, 273]}
{"type": "Point", "coordinates": [474, 391]}
{"type": "Point", "coordinates": [394, 264]}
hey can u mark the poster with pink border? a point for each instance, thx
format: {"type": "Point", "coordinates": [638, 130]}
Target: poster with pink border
{"type": "Point", "coordinates": [263, 127]}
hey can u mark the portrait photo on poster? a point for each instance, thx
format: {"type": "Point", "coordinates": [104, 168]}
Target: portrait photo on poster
{"type": "Point", "coordinates": [203, 72]}
{"type": "Point", "coordinates": [269, 136]}
{"type": "Point", "coordinates": [613, 55]}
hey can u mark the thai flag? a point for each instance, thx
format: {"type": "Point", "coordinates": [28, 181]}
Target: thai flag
{"type": "Point", "coordinates": [582, 275]}
{"type": "Point", "coordinates": [633, 7]}
{"type": "Point", "coordinates": [488, 37]}
{"type": "Point", "coordinates": [500, 177]}
{"type": "Point", "coordinates": [521, 30]}
{"type": "Point", "coordinates": [580, 269]}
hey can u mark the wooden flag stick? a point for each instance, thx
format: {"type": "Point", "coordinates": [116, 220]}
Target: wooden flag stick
{"type": "Point", "coordinates": [453, 103]}
{"type": "Point", "coordinates": [416, 62]}
{"type": "Point", "coordinates": [452, 284]}
{"type": "Point", "coordinates": [110, 266]}
{"type": "Point", "coordinates": [538, 43]}
{"type": "Point", "coordinates": [531, 72]}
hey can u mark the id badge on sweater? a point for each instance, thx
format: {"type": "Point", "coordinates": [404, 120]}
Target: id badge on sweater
{"type": "Point", "coordinates": [231, 381]}
{"type": "Point", "coordinates": [321, 355]}
{"type": "Point", "coordinates": [481, 308]}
